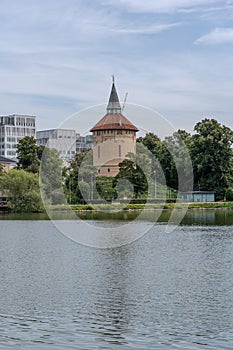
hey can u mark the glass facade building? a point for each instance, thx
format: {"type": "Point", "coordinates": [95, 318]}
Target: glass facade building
{"type": "Point", "coordinates": [13, 128]}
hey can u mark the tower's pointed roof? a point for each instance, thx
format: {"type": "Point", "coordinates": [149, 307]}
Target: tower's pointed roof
{"type": "Point", "coordinates": [114, 119]}
{"type": "Point", "coordinates": [114, 106]}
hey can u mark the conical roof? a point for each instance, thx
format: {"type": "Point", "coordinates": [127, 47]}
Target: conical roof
{"type": "Point", "coordinates": [114, 119]}
{"type": "Point", "coordinates": [114, 106]}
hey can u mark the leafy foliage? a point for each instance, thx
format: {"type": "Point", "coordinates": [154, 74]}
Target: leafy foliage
{"type": "Point", "coordinates": [23, 191]}
{"type": "Point", "coordinates": [212, 156]}
{"type": "Point", "coordinates": [79, 178]}
{"type": "Point", "coordinates": [29, 154]}
{"type": "Point", "coordinates": [136, 169]}
{"type": "Point", "coordinates": [1, 169]}
{"type": "Point", "coordinates": [210, 149]}
{"type": "Point", "coordinates": [50, 171]}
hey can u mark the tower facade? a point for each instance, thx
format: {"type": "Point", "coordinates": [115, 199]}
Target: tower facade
{"type": "Point", "coordinates": [114, 136]}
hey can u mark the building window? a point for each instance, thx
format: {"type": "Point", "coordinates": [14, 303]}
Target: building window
{"type": "Point", "coordinates": [119, 132]}
{"type": "Point", "coordinates": [108, 170]}
{"type": "Point", "coordinates": [98, 151]}
{"type": "Point", "coordinates": [119, 150]}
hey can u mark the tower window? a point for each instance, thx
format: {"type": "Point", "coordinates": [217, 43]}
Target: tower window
{"type": "Point", "coordinates": [119, 150]}
{"type": "Point", "coordinates": [98, 151]}
{"type": "Point", "coordinates": [119, 132]}
{"type": "Point", "coordinates": [109, 170]}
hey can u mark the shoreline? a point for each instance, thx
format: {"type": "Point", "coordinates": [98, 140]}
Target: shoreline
{"type": "Point", "coordinates": [114, 208]}
{"type": "Point", "coordinates": [139, 207]}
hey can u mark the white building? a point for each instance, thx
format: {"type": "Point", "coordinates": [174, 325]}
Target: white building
{"type": "Point", "coordinates": [63, 140]}
{"type": "Point", "coordinates": [83, 143]}
{"type": "Point", "coordinates": [13, 128]}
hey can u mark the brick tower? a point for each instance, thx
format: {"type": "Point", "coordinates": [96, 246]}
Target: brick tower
{"type": "Point", "coordinates": [114, 136]}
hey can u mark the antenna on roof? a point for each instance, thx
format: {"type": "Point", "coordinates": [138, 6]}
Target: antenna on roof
{"type": "Point", "coordinates": [124, 103]}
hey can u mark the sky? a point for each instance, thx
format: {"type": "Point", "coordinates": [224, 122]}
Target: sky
{"type": "Point", "coordinates": [172, 56]}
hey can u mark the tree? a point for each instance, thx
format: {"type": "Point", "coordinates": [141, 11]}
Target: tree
{"type": "Point", "coordinates": [29, 154]}
{"type": "Point", "coordinates": [137, 170]}
{"type": "Point", "coordinates": [23, 191]}
{"type": "Point", "coordinates": [212, 156]}
{"type": "Point", "coordinates": [80, 178]}
{"type": "Point", "coordinates": [171, 159]}
{"type": "Point", "coordinates": [152, 142]}
{"type": "Point", "coordinates": [174, 158]}
{"type": "Point", "coordinates": [1, 169]}
{"type": "Point", "coordinates": [50, 172]}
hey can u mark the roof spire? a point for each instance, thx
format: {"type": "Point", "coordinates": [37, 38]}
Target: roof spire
{"type": "Point", "coordinates": [114, 106]}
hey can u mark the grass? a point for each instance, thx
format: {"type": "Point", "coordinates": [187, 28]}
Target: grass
{"type": "Point", "coordinates": [150, 206]}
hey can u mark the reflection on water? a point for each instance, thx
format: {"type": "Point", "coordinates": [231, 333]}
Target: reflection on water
{"type": "Point", "coordinates": [164, 291]}
{"type": "Point", "coordinates": [219, 217]}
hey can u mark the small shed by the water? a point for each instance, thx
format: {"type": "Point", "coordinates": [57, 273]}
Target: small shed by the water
{"type": "Point", "coordinates": [198, 196]}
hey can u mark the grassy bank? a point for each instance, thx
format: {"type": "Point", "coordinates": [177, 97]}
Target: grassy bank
{"type": "Point", "coordinates": [151, 206]}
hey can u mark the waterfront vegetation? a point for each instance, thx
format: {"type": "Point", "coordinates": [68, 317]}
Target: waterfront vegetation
{"type": "Point", "coordinates": [146, 206]}
{"type": "Point", "coordinates": [39, 174]}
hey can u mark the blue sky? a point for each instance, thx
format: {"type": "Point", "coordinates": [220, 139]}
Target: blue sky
{"type": "Point", "coordinates": [174, 56]}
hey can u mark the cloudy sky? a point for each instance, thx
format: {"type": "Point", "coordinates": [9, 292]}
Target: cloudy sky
{"type": "Point", "coordinates": [174, 56]}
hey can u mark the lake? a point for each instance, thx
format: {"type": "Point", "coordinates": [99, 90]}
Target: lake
{"type": "Point", "coordinates": [163, 291]}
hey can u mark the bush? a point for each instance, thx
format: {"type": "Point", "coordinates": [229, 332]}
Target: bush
{"type": "Point", "coordinates": [23, 191]}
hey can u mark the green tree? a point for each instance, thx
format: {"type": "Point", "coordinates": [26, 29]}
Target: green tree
{"type": "Point", "coordinates": [137, 170]}
{"type": "Point", "coordinates": [23, 191]}
{"type": "Point", "coordinates": [170, 158]}
{"type": "Point", "coordinates": [50, 172]}
{"type": "Point", "coordinates": [105, 189]}
{"type": "Point", "coordinates": [174, 158]}
{"type": "Point", "coordinates": [152, 142]}
{"type": "Point", "coordinates": [80, 178]}
{"type": "Point", "coordinates": [1, 169]}
{"type": "Point", "coordinates": [212, 156]}
{"type": "Point", "coordinates": [29, 154]}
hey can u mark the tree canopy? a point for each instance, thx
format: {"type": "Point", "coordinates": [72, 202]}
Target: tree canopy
{"type": "Point", "coordinates": [212, 156]}
{"type": "Point", "coordinates": [136, 169]}
{"type": "Point", "coordinates": [210, 150]}
{"type": "Point", "coordinates": [23, 191]}
{"type": "Point", "coordinates": [29, 154]}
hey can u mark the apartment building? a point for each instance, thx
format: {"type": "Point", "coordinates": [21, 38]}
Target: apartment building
{"type": "Point", "coordinates": [63, 140]}
{"type": "Point", "coordinates": [13, 128]}
{"type": "Point", "coordinates": [83, 143]}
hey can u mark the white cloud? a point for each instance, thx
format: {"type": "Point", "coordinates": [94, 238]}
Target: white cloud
{"type": "Point", "coordinates": [217, 36]}
{"type": "Point", "coordinates": [55, 60]}
{"type": "Point", "coordinates": [164, 6]}
{"type": "Point", "coordinates": [154, 29]}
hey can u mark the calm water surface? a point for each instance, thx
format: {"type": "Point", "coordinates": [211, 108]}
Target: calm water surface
{"type": "Point", "coordinates": [164, 291]}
